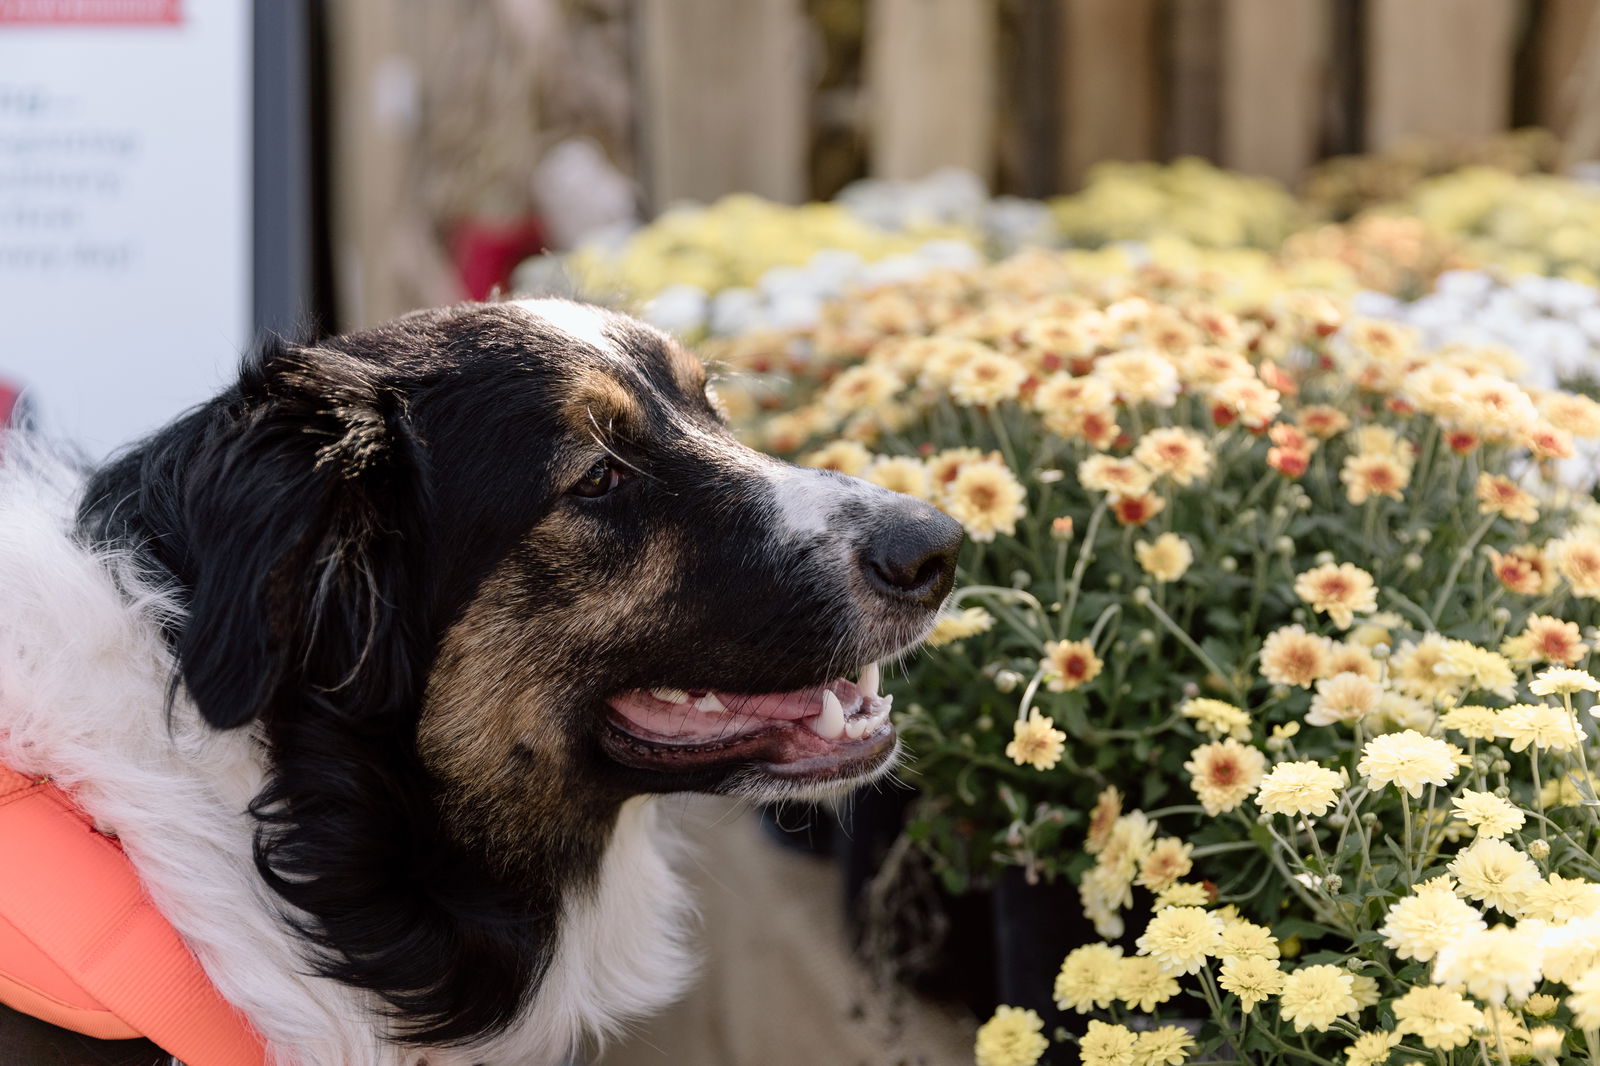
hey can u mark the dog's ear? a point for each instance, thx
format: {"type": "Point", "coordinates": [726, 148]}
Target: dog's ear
{"type": "Point", "coordinates": [293, 510]}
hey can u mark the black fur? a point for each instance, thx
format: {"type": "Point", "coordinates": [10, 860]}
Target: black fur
{"type": "Point", "coordinates": [330, 518]}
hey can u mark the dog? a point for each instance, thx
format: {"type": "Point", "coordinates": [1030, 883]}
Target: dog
{"type": "Point", "coordinates": [375, 662]}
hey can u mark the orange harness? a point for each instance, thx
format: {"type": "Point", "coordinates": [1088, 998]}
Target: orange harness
{"type": "Point", "coordinates": [82, 946]}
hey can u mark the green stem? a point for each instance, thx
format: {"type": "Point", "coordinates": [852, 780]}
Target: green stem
{"type": "Point", "coordinates": [1462, 555]}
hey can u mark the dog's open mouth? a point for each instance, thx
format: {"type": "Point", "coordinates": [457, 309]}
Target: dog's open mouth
{"type": "Point", "coordinates": [831, 730]}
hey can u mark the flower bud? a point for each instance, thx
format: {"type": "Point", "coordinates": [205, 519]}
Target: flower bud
{"type": "Point", "coordinates": [1229, 564]}
{"type": "Point", "coordinates": [1247, 517]}
{"type": "Point", "coordinates": [1049, 476]}
{"type": "Point", "coordinates": [1501, 615]}
{"type": "Point", "coordinates": [1412, 561]}
{"type": "Point", "coordinates": [984, 723]}
{"type": "Point", "coordinates": [1381, 650]}
{"type": "Point", "coordinates": [1190, 690]}
{"type": "Point", "coordinates": [1020, 578]}
{"type": "Point", "coordinates": [1285, 545]}
{"type": "Point", "coordinates": [1061, 528]}
{"type": "Point", "coordinates": [1539, 849]}
{"type": "Point", "coordinates": [1141, 595]}
{"type": "Point", "coordinates": [1424, 536]}
{"type": "Point", "coordinates": [1145, 638]}
{"type": "Point", "coordinates": [1502, 766]}
{"type": "Point", "coordinates": [1113, 581]}
{"type": "Point", "coordinates": [1302, 502]}
{"type": "Point", "coordinates": [1007, 680]}
{"type": "Point", "coordinates": [1324, 559]}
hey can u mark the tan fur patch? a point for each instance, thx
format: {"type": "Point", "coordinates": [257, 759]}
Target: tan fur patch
{"type": "Point", "coordinates": [495, 727]}
{"type": "Point", "coordinates": [599, 400]}
{"type": "Point", "coordinates": [687, 369]}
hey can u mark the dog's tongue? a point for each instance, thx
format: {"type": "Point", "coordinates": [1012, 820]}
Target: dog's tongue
{"type": "Point", "coordinates": [713, 715]}
{"type": "Point", "coordinates": [837, 708]}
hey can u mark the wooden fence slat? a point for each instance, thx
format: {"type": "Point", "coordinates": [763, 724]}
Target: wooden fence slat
{"type": "Point", "coordinates": [724, 98]}
{"type": "Point", "coordinates": [931, 84]}
{"type": "Point", "coordinates": [1561, 30]}
{"type": "Point", "coordinates": [1438, 68]}
{"type": "Point", "coordinates": [1193, 97]}
{"type": "Point", "coordinates": [1110, 84]}
{"type": "Point", "coordinates": [1272, 81]}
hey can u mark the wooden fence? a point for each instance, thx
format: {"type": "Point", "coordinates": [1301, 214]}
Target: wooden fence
{"type": "Point", "coordinates": [1031, 93]}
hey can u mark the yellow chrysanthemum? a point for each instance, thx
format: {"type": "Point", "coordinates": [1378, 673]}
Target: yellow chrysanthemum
{"type": "Point", "coordinates": [1420, 924]}
{"type": "Point", "coordinates": [1408, 760]}
{"type": "Point", "coordinates": [1341, 592]}
{"type": "Point", "coordinates": [1166, 558]}
{"type": "Point", "coordinates": [1167, 861]}
{"type": "Point", "coordinates": [1181, 938]}
{"type": "Point", "coordinates": [1368, 475]}
{"type": "Point", "coordinates": [1088, 978]}
{"type": "Point", "coordinates": [1415, 670]}
{"type": "Point", "coordinates": [1344, 697]}
{"type": "Point", "coordinates": [1371, 1049]}
{"type": "Point", "coordinates": [1500, 495]}
{"type": "Point", "coordinates": [1493, 872]}
{"type": "Point", "coordinates": [899, 473]}
{"type": "Point", "coordinates": [1546, 639]}
{"type": "Point", "coordinates": [1490, 815]}
{"type": "Point", "coordinates": [1561, 899]}
{"type": "Point", "coordinates": [1577, 558]}
{"type": "Point", "coordinates": [845, 456]}
{"type": "Point", "coordinates": [1242, 939]}
{"type": "Point", "coordinates": [1252, 979]}
{"type": "Point", "coordinates": [1143, 985]}
{"type": "Point", "coordinates": [1496, 965]}
{"type": "Point", "coordinates": [987, 379]}
{"type": "Point", "coordinates": [1477, 669]}
{"type": "Point", "coordinates": [986, 499]}
{"type": "Point", "coordinates": [1174, 452]}
{"type": "Point", "coordinates": [1562, 681]}
{"type": "Point", "coordinates": [1123, 477]}
{"type": "Point", "coordinates": [1184, 894]}
{"type": "Point", "coordinates": [1440, 1017]}
{"type": "Point", "coordinates": [1314, 997]}
{"type": "Point", "coordinates": [1224, 773]}
{"type": "Point", "coordinates": [1216, 718]}
{"type": "Point", "coordinates": [1036, 742]}
{"type": "Point", "coordinates": [959, 626]}
{"type": "Point", "coordinates": [1471, 720]}
{"type": "Point", "coordinates": [1070, 664]}
{"type": "Point", "coordinates": [1539, 724]}
{"type": "Point", "coordinates": [1168, 1045]}
{"type": "Point", "coordinates": [1013, 1037]}
{"type": "Point", "coordinates": [1541, 1005]}
{"type": "Point", "coordinates": [1291, 656]}
{"type": "Point", "coordinates": [1585, 1000]}
{"type": "Point", "coordinates": [1299, 788]}
{"type": "Point", "coordinates": [1107, 1045]}
{"type": "Point", "coordinates": [861, 388]}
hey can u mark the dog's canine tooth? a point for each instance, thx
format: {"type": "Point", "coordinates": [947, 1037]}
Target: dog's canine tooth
{"type": "Point", "coordinates": [708, 703]}
{"type": "Point", "coordinates": [869, 680]}
{"type": "Point", "coordinates": [830, 723]}
{"type": "Point", "coordinates": [670, 695]}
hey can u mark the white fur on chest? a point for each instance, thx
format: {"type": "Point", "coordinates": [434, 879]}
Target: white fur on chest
{"type": "Point", "coordinates": [83, 681]}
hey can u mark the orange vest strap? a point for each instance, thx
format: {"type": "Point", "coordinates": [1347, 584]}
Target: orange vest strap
{"type": "Point", "coordinates": [82, 945]}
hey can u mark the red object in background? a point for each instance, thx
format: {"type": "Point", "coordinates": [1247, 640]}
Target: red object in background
{"type": "Point", "coordinates": [91, 12]}
{"type": "Point", "coordinates": [10, 404]}
{"type": "Point", "coordinates": [485, 253]}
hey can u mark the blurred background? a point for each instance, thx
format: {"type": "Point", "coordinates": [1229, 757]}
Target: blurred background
{"type": "Point", "coordinates": [178, 176]}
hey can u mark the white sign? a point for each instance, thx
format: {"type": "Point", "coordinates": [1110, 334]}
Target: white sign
{"type": "Point", "coordinates": [124, 209]}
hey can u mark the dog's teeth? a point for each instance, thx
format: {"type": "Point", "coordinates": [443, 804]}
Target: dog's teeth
{"type": "Point", "coordinates": [857, 727]}
{"type": "Point", "coordinates": [708, 703]}
{"type": "Point", "coordinates": [670, 695]}
{"type": "Point", "coordinates": [830, 724]}
{"type": "Point", "coordinates": [869, 680]}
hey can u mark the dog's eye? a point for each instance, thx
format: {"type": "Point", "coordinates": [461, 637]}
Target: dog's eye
{"type": "Point", "coordinates": [599, 479]}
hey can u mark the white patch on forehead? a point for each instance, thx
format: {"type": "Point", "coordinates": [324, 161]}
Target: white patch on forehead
{"type": "Point", "coordinates": [579, 321]}
{"type": "Point", "coordinates": [807, 498]}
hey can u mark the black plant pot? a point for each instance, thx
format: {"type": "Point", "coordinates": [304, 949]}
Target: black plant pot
{"type": "Point", "coordinates": [1034, 926]}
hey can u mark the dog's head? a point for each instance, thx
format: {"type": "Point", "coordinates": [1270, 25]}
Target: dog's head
{"type": "Point", "coordinates": [482, 574]}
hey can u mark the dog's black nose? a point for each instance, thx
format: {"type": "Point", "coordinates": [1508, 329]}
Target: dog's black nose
{"type": "Point", "coordinates": [911, 555]}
